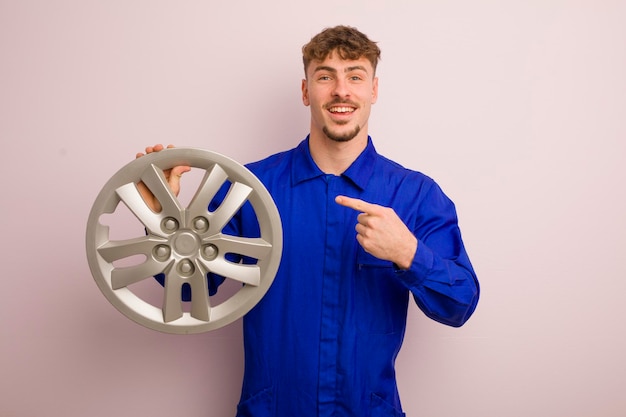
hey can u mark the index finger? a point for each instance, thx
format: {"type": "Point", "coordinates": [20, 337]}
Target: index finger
{"type": "Point", "coordinates": [355, 203]}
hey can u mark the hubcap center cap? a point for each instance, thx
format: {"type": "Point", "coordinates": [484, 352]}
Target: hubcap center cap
{"type": "Point", "coordinates": [186, 243]}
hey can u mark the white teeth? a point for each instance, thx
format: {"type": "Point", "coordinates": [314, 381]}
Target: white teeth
{"type": "Point", "coordinates": [341, 109]}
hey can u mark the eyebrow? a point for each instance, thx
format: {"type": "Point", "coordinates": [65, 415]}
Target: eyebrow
{"type": "Point", "coordinates": [333, 70]}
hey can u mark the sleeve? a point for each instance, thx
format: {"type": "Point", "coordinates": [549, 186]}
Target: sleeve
{"type": "Point", "coordinates": [441, 277]}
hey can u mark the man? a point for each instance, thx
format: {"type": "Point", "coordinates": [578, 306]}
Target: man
{"type": "Point", "coordinates": [361, 234]}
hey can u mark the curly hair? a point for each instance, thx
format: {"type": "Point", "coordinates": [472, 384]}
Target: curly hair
{"type": "Point", "coordinates": [348, 42]}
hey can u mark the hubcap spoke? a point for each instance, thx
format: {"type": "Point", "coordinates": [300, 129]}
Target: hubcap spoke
{"type": "Point", "coordinates": [236, 197]}
{"type": "Point", "coordinates": [130, 196]}
{"type": "Point", "coordinates": [200, 304]}
{"type": "Point", "coordinates": [123, 277]}
{"type": "Point", "coordinates": [213, 180]}
{"type": "Point", "coordinates": [116, 250]}
{"type": "Point", "coordinates": [247, 274]}
{"type": "Point", "coordinates": [155, 180]}
{"type": "Point", "coordinates": [256, 248]}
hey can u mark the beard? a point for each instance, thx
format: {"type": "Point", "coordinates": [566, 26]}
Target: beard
{"type": "Point", "coordinates": [345, 137]}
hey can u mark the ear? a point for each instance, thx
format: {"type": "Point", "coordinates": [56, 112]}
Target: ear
{"type": "Point", "coordinates": [305, 93]}
{"type": "Point", "coordinates": [375, 90]}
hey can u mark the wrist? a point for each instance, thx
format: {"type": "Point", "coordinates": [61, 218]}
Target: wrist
{"type": "Point", "coordinates": [405, 260]}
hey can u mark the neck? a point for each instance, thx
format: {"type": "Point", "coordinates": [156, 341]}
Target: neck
{"type": "Point", "coordinates": [334, 157]}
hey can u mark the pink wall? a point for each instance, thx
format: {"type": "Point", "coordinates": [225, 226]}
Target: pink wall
{"type": "Point", "coordinates": [519, 111]}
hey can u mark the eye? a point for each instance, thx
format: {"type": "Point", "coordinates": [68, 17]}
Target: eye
{"type": "Point", "coordinates": [324, 78]}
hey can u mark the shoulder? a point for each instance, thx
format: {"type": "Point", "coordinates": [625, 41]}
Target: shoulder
{"type": "Point", "coordinates": [414, 195]}
{"type": "Point", "coordinates": [411, 185]}
{"type": "Point", "coordinates": [401, 174]}
{"type": "Point", "coordinates": [274, 171]}
{"type": "Point", "coordinates": [271, 163]}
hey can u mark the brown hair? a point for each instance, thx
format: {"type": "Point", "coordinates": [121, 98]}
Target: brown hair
{"type": "Point", "coordinates": [347, 41]}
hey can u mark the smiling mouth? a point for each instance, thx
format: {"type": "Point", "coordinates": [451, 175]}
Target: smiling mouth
{"type": "Point", "coordinates": [341, 110]}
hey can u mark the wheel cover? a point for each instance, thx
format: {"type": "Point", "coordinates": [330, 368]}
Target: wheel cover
{"type": "Point", "coordinates": [184, 243]}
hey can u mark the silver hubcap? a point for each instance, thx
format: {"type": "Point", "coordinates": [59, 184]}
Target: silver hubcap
{"type": "Point", "coordinates": [183, 243]}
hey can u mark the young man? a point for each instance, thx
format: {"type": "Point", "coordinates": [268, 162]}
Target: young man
{"type": "Point", "coordinates": [361, 235]}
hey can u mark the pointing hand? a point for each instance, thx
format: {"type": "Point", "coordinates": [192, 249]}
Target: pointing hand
{"type": "Point", "coordinates": [381, 232]}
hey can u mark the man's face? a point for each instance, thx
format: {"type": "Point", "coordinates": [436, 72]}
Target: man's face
{"type": "Point", "coordinates": [340, 94]}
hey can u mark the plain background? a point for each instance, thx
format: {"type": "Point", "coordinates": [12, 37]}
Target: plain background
{"type": "Point", "coordinates": [517, 109]}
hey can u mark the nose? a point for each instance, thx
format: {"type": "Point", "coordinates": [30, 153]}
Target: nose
{"type": "Point", "coordinates": [341, 88]}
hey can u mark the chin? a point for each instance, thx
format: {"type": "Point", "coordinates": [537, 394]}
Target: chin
{"type": "Point", "coordinates": [341, 137]}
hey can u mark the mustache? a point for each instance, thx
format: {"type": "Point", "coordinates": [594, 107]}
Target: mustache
{"type": "Point", "coordinates": [339, 101]}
